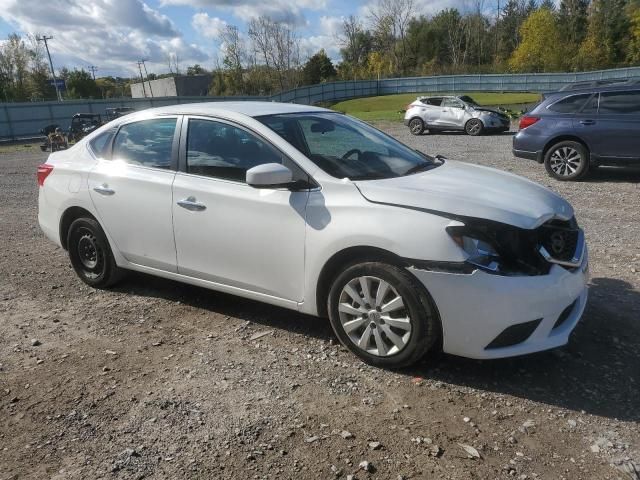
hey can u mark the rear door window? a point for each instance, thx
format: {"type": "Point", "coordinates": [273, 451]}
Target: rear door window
{"type": "Point", "coordinates": [436, 102]}
{"type": "Point", "coordinates": [571, 104]}
{"type": "Point", "coordinates": [147, 143]}
{"type": "Point", "coordinates": [623, 103]}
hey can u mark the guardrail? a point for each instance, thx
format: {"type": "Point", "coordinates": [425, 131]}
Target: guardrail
{"type": "Point", "coordinates": [21, 120]}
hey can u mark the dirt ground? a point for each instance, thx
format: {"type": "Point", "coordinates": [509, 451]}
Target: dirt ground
{"type": "Point", "coordinates": [155, 379]}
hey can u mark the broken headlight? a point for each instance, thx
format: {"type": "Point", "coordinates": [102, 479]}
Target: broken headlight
{"type": "Point", "coordinates": [499, 248]}
{"type": "Point", "coordinates": [481, 253]}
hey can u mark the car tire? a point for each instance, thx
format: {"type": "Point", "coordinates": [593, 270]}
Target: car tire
{"type": "Point", "coordinates": [406, 331]}
{"type": "Point", "coordinates": [567, 160]}
{"type": "Point", "coordinates": [416, 126]}
{"type": "Point", "coordinates": [474, 127]}
{"type": "Point", "coordinates": [91, 255]}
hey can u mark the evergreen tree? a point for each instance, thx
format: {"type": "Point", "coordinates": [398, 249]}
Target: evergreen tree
{"type": "Point", "coordinates": [318, 69]}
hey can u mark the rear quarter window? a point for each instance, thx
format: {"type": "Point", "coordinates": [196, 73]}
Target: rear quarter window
{"type": "Point", "coordinates": [570, 104]}
{"type": "Point", "coordinates": [100, 144]}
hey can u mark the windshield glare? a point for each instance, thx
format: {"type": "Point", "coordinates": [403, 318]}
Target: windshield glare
{"type": "Point", "coordinates": [346, 147]}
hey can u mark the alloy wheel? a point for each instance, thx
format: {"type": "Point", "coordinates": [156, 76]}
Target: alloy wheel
{"type": "Point", "coordinates": [565, 161]}
{"type": "Point", "coordinates": [415, 126]}
{"type": "Point", "coordinates": [374, 316]}
{"type": "Point", "coordinates": [474, 127]}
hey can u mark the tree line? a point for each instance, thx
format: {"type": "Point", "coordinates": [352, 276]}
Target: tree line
{"type": "Point", "coordinates": [391, 40]}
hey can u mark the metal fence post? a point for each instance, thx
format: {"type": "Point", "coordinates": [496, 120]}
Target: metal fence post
{"type": "Point", "coordinates": [9, 124]}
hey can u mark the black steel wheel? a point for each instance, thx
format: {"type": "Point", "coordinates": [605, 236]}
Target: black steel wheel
{"type": "Point", "coordinates": [90, 254]}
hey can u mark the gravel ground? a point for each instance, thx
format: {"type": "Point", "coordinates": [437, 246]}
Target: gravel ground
{"type": "Point", "coordinates": [156, 379]}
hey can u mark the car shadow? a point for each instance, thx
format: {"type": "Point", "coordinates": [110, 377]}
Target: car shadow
{"type": "Point", "coordinates": [224, 304]}
{"type": "Point", "coordinates": [461, 133]}
{"type": "Point", "coordinates": [622, 174]}
{"type": "Point", "coordinates": [597, 372]}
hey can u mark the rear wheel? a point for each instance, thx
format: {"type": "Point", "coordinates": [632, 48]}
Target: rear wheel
{"type": "Point", "coordinates": [474, 127]}
{"type": "Point", "coordinates": [381, 313]}
{"type": "Point", "coordinates": [90, 254]}
{"type": "Point", "coordinates": [567, 161]}
{"type": "Point", "coordinates": [416, 126]}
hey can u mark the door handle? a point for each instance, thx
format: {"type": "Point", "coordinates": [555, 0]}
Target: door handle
{"type": "Point", "coordinates": [190, 204]}
{"type": "Point", "coordinates": [104, 189]}
{"type": "Point", "coordinates": [588, 122]}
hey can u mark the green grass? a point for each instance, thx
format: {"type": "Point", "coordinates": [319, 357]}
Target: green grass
{"type": "Point", "coordinates": [387, 107]}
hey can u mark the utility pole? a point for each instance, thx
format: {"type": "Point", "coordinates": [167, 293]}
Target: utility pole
{"type": "Point", "coordinates": [93, 69]}
{"type": "Point", "coordinates": [144, 91]}
{"type": "Point", "coordinates": [44, 39]}
{"type": "Point", "coordinates": [147, 75]}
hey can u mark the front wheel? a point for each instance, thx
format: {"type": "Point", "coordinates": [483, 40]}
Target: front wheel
{"type": "Point", "coordinates": [416, 126]}
{"type": "Point", "coordinates": [382, 314]}
{"type": "Point", "coordinates": [474, 127]}
{"type": "Point", "coordinates": [90, 254]}
{"type": "Point", "coordinates": [567, 161]}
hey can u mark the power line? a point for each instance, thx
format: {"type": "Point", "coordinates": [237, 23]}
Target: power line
{"type": "Point", "coordinates": [93, 69]}
{"type": "Point", "coordinates": [144, 91]}
{"type": "Point", "coordinates": [44, 39]}
{"type": "Point", "coordinates": [147, 75]}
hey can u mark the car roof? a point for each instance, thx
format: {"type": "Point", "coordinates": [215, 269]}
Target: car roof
{"type": "Point", "coordinates": [612, 87]}
{"type": "Point", "coordinates": [249, 108]}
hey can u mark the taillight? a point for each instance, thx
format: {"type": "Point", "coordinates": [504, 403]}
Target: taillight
{"type": "Point", "coordinates": [527, 121]}
{"type": "Point", "coordinates": [43, 172]}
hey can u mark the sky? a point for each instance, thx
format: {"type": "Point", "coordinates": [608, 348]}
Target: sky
{"type": "Point", "coordinates": [114, 34]}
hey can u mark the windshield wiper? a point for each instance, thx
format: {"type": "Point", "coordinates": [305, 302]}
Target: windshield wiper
{"type": "Point", "coordinates": [419, 168]}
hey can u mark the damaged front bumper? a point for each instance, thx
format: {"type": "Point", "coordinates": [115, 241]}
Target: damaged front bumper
{"type": "Point", "coordinates": [488, 316]}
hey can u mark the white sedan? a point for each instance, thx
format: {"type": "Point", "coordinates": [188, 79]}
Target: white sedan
{"type": "Point", "coordinates": [318, 212]}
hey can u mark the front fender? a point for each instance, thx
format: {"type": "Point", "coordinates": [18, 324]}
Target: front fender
{"type": "Point", "coordinates": [352, 221]}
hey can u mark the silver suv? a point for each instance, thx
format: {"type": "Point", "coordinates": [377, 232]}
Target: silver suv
{"type": "Point", "coordinates": [453, 113]}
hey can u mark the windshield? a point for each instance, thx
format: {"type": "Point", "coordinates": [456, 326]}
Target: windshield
{"type": "Point", "coordinates": [469, 100]}
{"type": "Point", "coordinates": [347, 148]}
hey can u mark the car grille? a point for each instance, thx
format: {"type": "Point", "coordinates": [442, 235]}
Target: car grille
{"type": "Point", "coordinates": [562, 242]}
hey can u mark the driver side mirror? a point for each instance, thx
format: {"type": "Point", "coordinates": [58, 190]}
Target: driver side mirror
{"type": "Point", "coordinates": [269, 175]}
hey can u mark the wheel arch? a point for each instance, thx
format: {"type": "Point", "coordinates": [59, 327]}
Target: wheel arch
{"type": "Point", "coordinates": [564, 138]}
{"type": "Point", "coordinates": [68, 217]}
{"type": "Point", "coordinates": [339, 260]}
{"type": "Point", "coordinates": [358, 254]}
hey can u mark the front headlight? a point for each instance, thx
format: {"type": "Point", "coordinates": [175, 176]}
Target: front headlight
{"type": "Point", "coordinates": [481, 254]}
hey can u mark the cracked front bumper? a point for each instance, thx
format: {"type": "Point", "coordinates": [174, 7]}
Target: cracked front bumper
{"type": "Point", "coordinates": [476, 308]}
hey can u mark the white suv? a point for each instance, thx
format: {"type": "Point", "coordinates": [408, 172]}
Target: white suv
{"type": "Point", "coordinates": [318, 212]}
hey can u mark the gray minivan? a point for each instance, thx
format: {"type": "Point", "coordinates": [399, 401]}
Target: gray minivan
{"type": "Point", "coordinates": [571, 130]}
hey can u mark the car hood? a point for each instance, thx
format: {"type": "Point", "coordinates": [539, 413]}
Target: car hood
{"type": "Point", "coordinates": [465, 190]}
{"type": "Point", "coordinates": [487, 109]}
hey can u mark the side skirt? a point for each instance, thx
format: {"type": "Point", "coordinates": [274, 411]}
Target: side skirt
{"type": "Point", "coordinates": [261, 297]}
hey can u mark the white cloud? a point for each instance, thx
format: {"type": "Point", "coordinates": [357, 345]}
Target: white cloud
{"type": "Point", "coordinates": [112, 34]}
{"type": "Point", "coordinates": [330, 28]}
{"type": "Point", "coordinates": [210, 27]}
{"type": "Point", "coordinates": [280, 10]}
